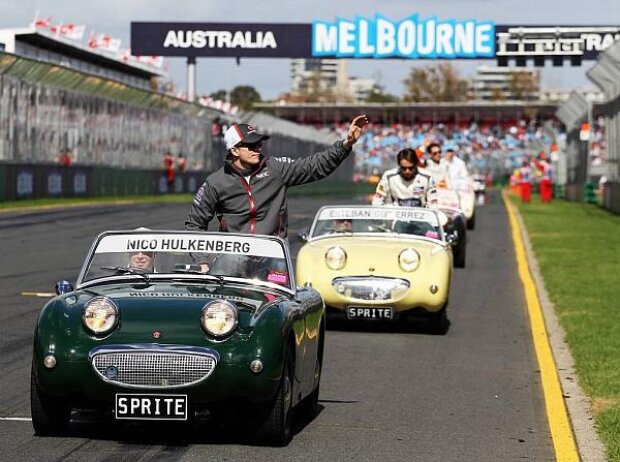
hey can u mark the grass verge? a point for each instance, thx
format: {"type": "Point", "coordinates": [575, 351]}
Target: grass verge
{"type": "Point", "coordinates": [578, 248]}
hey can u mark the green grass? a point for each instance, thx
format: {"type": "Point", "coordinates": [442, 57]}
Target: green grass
{"type": "Point", "coordinates": [578, 248]}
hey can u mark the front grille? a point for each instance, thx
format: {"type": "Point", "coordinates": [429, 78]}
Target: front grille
{"type": "Point", "coordinates": [153, 369]}
{"type": "Point", "coordinates": [371, 288]}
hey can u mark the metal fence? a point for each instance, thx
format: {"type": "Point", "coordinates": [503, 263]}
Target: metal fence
{"type": "Point", "coordinates": [45, 109]}
{"type": "Point", "coordinates": [606, 75]}
{"type": "Point", "coordinates": [589, 161]}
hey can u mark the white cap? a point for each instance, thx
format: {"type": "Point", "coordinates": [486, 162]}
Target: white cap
{"type": "Point", "coordinates": [242, 133]}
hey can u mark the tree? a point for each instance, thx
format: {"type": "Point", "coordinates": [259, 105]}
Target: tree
{"type": "Point", "coordinates": [220, 95]}
{"type": "Point", "coordinates": [313, 90]}
{"type": "Point", "coordinates": [437, 82]}
{"type": "Point", "coordinates": [244, 96]}
{"type": "Point", "coordinates": [378, 95]}
{"type": "Point", "coordinates": [523, 85]}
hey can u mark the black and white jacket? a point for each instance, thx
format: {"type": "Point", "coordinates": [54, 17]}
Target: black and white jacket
{"type": "Point", "coordinates": [256, 203]}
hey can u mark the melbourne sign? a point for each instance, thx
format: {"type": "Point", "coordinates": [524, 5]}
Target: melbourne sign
{"type": "Point", "coordinates": [412, 37]}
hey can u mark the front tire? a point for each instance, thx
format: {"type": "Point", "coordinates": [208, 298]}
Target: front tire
{"type": "Point", "coordinates": [471, 223]}
{"type": "Point", "coordinates": [50, 416]}
{"type": "Point", "coordinates": [459, 255]}
{"type": "Point", "coordinates": [439, 321]}
{"type": "Point", "coordinates": [277, 425]}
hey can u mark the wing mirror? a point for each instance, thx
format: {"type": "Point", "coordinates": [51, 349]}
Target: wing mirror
{"type": "Point", "coordinates": [63, 287]}
{"type": "Point", "coordinates": [302, 235]}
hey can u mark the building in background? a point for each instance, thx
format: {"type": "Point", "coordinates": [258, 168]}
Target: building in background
{"type": "Point", "coordinates": [505, 84]}
{"type": "Point", "coordinates": [327, 80]}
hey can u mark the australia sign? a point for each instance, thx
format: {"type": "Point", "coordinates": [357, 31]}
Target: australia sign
{"type": "Point", "coordinates": [412, 37]}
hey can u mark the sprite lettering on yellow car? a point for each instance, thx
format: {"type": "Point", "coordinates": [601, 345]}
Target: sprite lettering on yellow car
{"type": "Point", "coordinates": [378, 262]}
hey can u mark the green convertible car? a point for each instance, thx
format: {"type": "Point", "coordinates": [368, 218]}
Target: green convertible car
{"type": "Point", "coordinates": [173, 325]}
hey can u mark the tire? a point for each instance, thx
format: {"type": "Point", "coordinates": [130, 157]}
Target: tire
{"type": "Point", "coordinates": [439, 321]}
{"type": "Point", "coordinates": [471, 223]}
{"type": "Point", "coordinates": [309, 408]}
{"type": "Point", "coordinates": [459, 255]}
{"type": "Point", "coordinates": [277, 426]}
{"type": "Point", "coordinates": [50, 416]}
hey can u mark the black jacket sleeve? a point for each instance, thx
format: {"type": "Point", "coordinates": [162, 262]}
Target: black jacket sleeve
{"type": "Point", "coordinates": [203, 208]}
{"type": "Point", "coordinates": [314, 167]}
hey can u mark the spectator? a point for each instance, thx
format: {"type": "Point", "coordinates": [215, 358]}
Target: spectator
{"type": "Point", "coordinates": [181, 163]}
{"type": "Point", "coordinates": [64, 158]}
{"type": "Point", "coordinates": [169, 169]}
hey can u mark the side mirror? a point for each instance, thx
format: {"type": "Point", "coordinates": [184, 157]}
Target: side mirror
{"type": "Point", "coordinates": [302, 235]}
{"type": "Point", "coordinates": [63, 287]}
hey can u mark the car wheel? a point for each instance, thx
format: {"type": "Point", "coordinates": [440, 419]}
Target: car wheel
{"type": "Point", "coordinates": [310, 406]}
{"type": "Point", "coordinates": [439, 321]}
{"type": "Point", "coordinates": [459, 255]}
{"type": "Point", "coordinates": [276, 427]}
{"type": "Point", "coordinates": [471, 223]}
{"type": "Point", "coordinates": [50, 416]}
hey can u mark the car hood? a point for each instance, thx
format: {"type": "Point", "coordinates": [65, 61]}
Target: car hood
{"type": "Point", "coordinates": [380, 253]}
{"type": "Point", "coordinates": [172, 308]}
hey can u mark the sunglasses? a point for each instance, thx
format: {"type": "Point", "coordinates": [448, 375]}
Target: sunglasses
{"type": "Point", "coordinates": [251, 146]}
{"type": "Point", "coordinates": [408, 168]}
{"type": "Point", "coordinates": [435, 152]}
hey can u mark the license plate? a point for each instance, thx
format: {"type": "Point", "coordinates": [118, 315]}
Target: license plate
{"type": "Point", "coordinates": [151, 407]}
{"type": "Point", "coordinates": [364, 312]}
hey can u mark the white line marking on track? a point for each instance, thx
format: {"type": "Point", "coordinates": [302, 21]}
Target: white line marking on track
{"type": "Point", "coordinates": [38, 294]}
{"type": "Point", "coordinates": [17, 419]}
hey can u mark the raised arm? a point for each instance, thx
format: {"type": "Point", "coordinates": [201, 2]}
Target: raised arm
{"type": "Point", "coordinates": [321, 164]}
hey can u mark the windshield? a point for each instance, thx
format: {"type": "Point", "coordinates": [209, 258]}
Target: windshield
{"type": "Point", "coordinates": [155, 254]}
{"type": "Point", "coordinates": [351, 220]}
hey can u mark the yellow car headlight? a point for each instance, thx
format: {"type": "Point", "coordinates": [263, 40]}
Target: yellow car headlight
{"type": "Point", "coordinates": [100, 315]}
{"type": "Point", "coordinates": [409, 260]}
{"type": "Point", "coordinates": [219, 318]}
{"type": "Point", "coordinates": [335, 258]}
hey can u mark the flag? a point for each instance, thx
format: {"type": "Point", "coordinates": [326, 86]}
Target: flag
{"type": "Point", "coordinates": [105, 42]}
{"type": "Point", "coordinates": [43, 23]}
{"type": "Point", "coordinates": [70, 31]}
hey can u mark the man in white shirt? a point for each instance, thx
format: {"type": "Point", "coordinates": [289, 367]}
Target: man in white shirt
{"type": "Point", "coordinates": [405, 185]}
{"type": "Point", "coordinates": [455, 168]}
{"type": "Point", "coordinates": [434, 167]}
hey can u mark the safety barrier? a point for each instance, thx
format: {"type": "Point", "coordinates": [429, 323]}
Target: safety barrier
{"type": "Point", "coordinates": [34, 181]}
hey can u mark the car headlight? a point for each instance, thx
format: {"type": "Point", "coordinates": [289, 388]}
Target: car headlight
{"type": "Point", "coordinates": [335, 258]}
{"type": "Point", "coordinates": [219, 318]}
{"type": "Point", "coordinates": [100, 315]}
{"type": "Point", "coordinates": [409, 259]}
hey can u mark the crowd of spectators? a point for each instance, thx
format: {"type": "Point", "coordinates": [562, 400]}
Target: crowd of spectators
{"type": "Point", "coordinates": [474, 142]}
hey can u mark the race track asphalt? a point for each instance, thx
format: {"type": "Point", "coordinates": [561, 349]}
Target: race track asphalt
{"type": "Point", "coordinates": [387, 393]}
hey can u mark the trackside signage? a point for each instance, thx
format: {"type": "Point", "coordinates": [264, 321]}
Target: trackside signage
{"type": "Point", "coordinates": [411, 37]}
{"type": "Point", "coordinates": [221, 39]}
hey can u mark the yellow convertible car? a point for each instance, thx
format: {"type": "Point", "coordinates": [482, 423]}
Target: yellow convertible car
{"type": "Point", "coordinates": [378, 263]}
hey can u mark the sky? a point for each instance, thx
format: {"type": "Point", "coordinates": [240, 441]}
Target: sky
{"type": "Point", "coordinates": [272, 76]}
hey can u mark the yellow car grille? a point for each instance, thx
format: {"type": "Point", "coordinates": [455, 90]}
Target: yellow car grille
{"type": "Point", "coordinates": [369, 288]}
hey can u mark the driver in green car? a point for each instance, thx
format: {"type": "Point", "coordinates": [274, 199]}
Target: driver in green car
{"type": "Point", "coordinates": [142, 260]}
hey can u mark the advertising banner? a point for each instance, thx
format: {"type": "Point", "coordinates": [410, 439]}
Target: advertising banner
{"type": "Point", "coordinates": [412, 37]}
